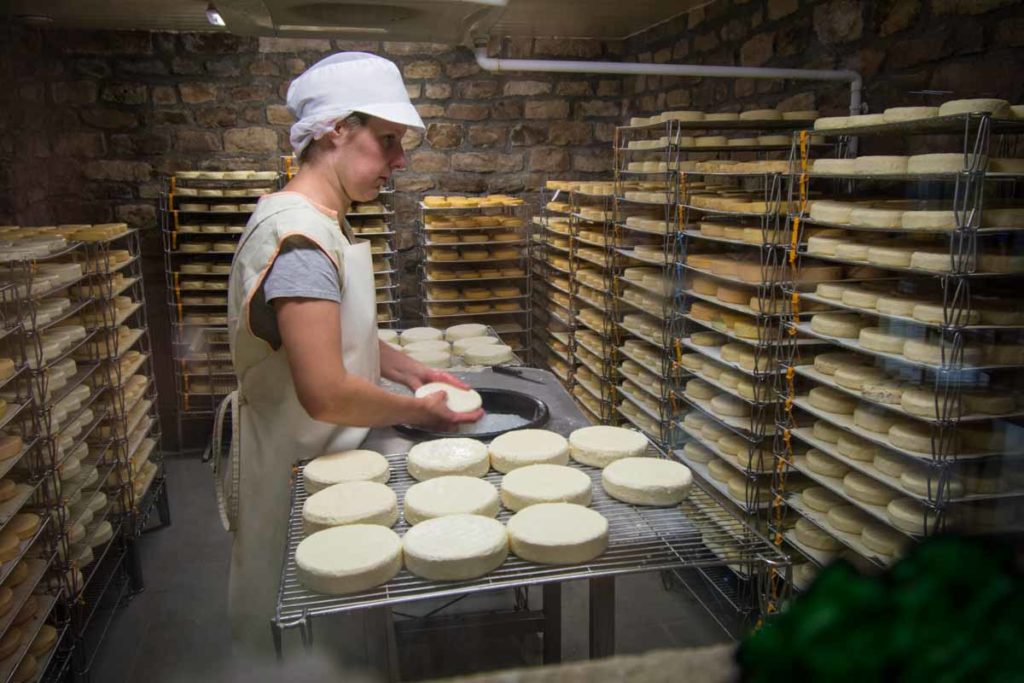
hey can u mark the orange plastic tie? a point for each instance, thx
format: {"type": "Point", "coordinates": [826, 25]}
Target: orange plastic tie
{"type": "Point", "coordinates": [794, 240]}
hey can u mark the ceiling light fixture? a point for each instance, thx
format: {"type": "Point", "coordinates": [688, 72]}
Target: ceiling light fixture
{"type": "Point", "coordinates": [213, 16]}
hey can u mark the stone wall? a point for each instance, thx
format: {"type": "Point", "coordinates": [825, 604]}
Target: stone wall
{"type": "Point", "coordinates": [966, 48]}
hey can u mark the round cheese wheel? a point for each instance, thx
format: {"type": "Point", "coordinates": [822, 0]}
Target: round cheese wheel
{"type": "Point", "coordinates": [491, 354]}
{"type": "Point", "coordinates": [829, 290]}
{"type": "Point", "coordinates": [813, 537]}
{"type": "Point", "coordinates": [880, 165]}
{"type": "Point", "coordinates": [829, 363]}
{"type": "Point", "coordinates": [893, 114]}
{"type": "Point", "coordinates": [860, 297]}
{"type": "Point", "coordinates": [895, 304]}
{"type": "Point", "coordinates": [455, 547]}
{"type": "Point", "coordinates": [896, 257]}
{"type": "Point", "coordinates": [937, 313]}
{"type": "Point", "coordinates": [720, 470]}
{"type": "Point", "coordinates": [707, 339]}
{"type": "Point", "coordinates": [825, 465]}
{"type": "Point", "coordinates": [882, 539]}
{"type": "Point", "coordinates": [853, 251]}
{"type": "Point", "coordinates": [943, 163]}
{"type": "Point", "coordinates": [908, 515]}
{"type": "Point", "coordinates": [417, 334]}
{"type": "Point", "coordinates": [390, 336]}
{"type": "Point", "coordinates": [889, 392]}
{"type": "Point", "coordinates": [647, 481]}
{"type": "Point", "coordinates": [827, 432]}
{"type": "Point", "coordinates": [873, 217]}
{"type": "Point", "coordinates": [600, 445]}
{"type": "Point", "coordinates": [843, 325]}
{"type": "Point", "coordinates": [911, 436]}
{"type": "Point", "coordinates": [831, 401]}
{"type": "Point", "coordinates": [464, 331]}
{"type": "Point", "coordinates": [834, 166]}
{"type": "Point", "coordinates": [937, 260]}
{"type": "Point", "coordinates": [354, 465]}
{"type": "Point", "coordinates": [996, 107]}
{"type": "Point", "coordinates": [748, 493]}
{"type": "Point", "coordinates": [989, 403]}
{"type": "Point", "coordinates": [927, 403]}
{"type": "Point", "coordinates": [873, 419]}
{"type": "Point", "coordinates": [528, 447]}
{"type": "Point", "coordinates": [697, 453]}
{"type": "Point", "coordinates": [925, 483]}
{"type": "Point", "coordinates": [924, 351]}
{"type": "Point", "coordinates": [724, 404]}
{"type": "Point", "coordinates": [10, 446]}
{"type": "Point", "coordinates": [699, 389]}
{"type": "Point", "coordinates": [445, 457]}
{"type": "Point", "coordinates": [889, 463]}
{"type": "Point", "coordinates": [713, 431]}
{"type": "Point", "coordinates": [879, 339]}
{"type": "Point", "coordinates": [819, 498]}
{"type": "Point", "coordinates": [418, 347]}
{"type": "Point", "coordinates": [449, 495]}
{"type": "Point", "coordinates": [351, 502]}
{"type": "Point", "coordinates": [348, 559]}
{"type": "Point", "coordinates": [847, 518]}
{"type": "Point", "coordinates": [928, 220]}
{"type": "Point", "coordinates": [457, 400]}
{"type": "Point", "coordinates": [558, 533]}
{"type": "Point", "coordinates": [535, 484]}
{"type": "Point", "coordinates": [865, 489]}
{"type": "Point", "coordinates": [854, 376]}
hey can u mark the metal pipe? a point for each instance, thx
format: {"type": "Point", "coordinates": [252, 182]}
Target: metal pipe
{"type": "Point", "coordinates": [697, 70]}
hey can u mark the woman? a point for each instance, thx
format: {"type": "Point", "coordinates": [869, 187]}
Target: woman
{"type": "Point", "coordinates": [303, 319]}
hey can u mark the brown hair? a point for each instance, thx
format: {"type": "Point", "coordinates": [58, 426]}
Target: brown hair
{"type": "Point", "coordinates": [353, 120]}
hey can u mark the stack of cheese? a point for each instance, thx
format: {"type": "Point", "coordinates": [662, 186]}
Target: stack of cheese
{"type": "Point", "coordinates": [1000, 109]}
{"type": "Point", "coordinates": [464, 344]}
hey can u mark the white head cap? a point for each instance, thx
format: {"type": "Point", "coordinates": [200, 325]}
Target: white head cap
{"type": "Point", "coordinates": [344, 83]}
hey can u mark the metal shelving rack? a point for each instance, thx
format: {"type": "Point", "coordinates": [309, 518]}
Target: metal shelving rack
{"type": "Point", "coordinates": [965, 456]}
{"type": "Point", "coordinates": [496, 227]}
{"type": "Point", "coordinates": [202, 215]}
{"type": "Point", "coordinates": [374, 221]}
{"type": "Point", "coordinates": [668, 186]}
{"type": "Point", "coordinates": [594, 339]}
{"type": "Point", "coordinates": [647, 312]}
{"type": "Point", "coordinates": [549, 252]}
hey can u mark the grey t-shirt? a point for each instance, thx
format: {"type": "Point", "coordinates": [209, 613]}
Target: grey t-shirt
{"type": "Point", "coordinates": [300, 270]}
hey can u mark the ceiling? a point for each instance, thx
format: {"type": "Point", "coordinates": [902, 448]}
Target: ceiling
{"type": "Point", "coordinates": [446, 21]}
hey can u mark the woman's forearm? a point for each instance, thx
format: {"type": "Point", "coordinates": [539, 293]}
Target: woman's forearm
{"type": "Point", "coordinates": [358, 403]}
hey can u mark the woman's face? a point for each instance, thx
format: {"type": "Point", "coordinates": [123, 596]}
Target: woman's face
{"type": "Point", "coordinates": [367, 156]}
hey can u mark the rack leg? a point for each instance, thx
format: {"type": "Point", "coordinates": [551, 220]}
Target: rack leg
{"type": "Point", "coordinates": [163, 505]}
{"type": "Point", "coordinates": [275, 632]}
{"type": "Point", "coordinates": [602, 617]}
{"type": "Point", "coordinates": [552, 601]}
{"type": "Point", "coordinates": [133, 563]}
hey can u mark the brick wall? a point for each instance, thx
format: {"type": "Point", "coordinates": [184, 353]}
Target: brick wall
{"type": "Point", "coordinates": [969, 47]}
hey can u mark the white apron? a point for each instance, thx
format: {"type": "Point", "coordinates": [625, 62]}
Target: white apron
{"type": "Point", "coordinates": [271, 429]}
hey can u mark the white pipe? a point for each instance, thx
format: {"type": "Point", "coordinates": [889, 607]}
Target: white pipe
{"type": "Point", "coordinates": [698, 70]}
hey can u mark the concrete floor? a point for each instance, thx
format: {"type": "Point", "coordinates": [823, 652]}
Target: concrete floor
{"type": "Point", "coordinates": [177, 630]}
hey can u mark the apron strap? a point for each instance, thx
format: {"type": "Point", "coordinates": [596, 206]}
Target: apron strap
{"type": "Point", "coordinates": [227, 488]}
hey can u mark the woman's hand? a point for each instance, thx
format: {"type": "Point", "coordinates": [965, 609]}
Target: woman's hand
{"type": "Point", "coordinates": [426, 375]}
{"type": "Point", "coordinates": [436, 415]}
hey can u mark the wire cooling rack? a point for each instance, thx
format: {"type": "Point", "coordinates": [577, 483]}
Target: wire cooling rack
{"type": "Point", "coordinates": [641, 539]}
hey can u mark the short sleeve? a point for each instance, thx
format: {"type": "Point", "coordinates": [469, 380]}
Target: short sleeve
{"type": "Point", "coordinates": [300, 270]}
